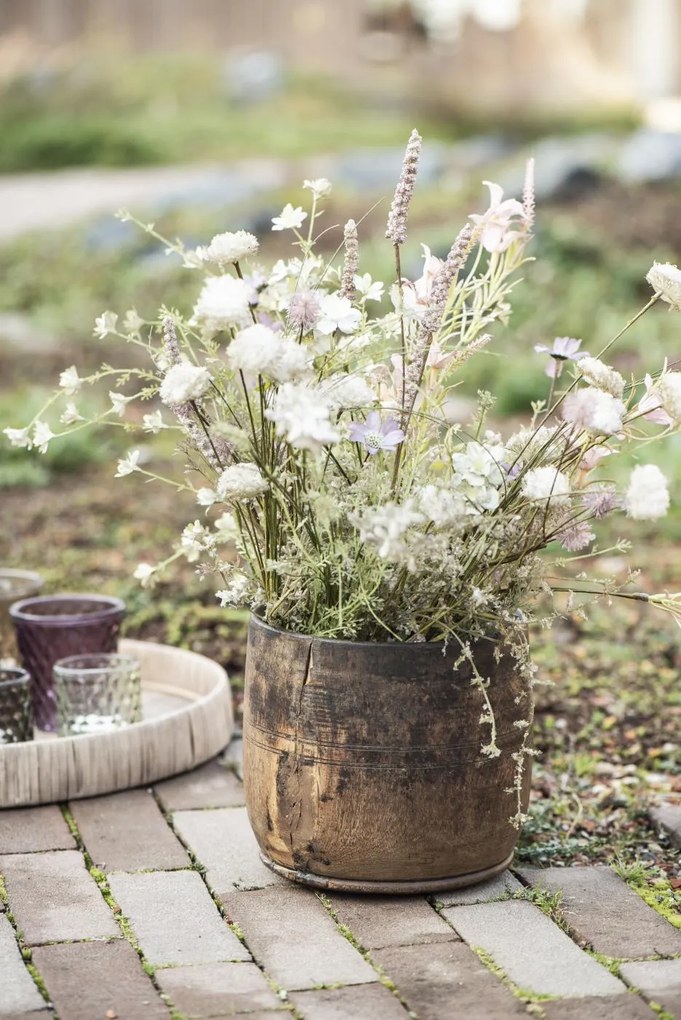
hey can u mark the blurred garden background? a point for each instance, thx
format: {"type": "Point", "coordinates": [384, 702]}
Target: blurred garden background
{"type": "Point", "coordinates": [206, 117]}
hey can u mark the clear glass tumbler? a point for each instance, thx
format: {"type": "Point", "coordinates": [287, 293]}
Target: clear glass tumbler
{"type": "Point", "coordinates": [95, 693]}
{"type": "Point", "coordinates": [16, 723]}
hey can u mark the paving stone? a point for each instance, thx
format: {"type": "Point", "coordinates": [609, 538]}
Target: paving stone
{"type": "Point", "coordinates": [175, 919]}
{"type": "Point", "coordinates": [209, 989]}
{"type": "Point", "coordinates": [391, 920]}
{"type": "Point", "coordinates": [497, 888]}
{"type": "Point", "coordinates": [87, 979]}
{"type": "Point", "coordinates": [18, 993]}
{"type": "Point", "coordinates": [659, 980]}
{"type": "Point", "coordinates": [535, 953]}
{"type": "Point", "coordinates": [607, 1007]}
{"type": "Point", "coordinates": [127, 832]}
{"type": "Point", "coordinates": [27, 830]}
{"type": "Point", "coordinates": [605, 912]}
{"type": "Point", "coordinates": [233, 756]}
{"type": "Point", "coordinates": [226, 847]}
{"type": "Point", "coordinates": [356, 1001]}
{"type": "Point", "coordinates": [667, 817]}
{"type": "Point", "coordinates": [54, 899]}
{"type": "Point", "coordinates": [447, 980]}
{"type": "Point", "coordinates": [291, 935]}
{"type": "Point", "coordinates": [210, 786]}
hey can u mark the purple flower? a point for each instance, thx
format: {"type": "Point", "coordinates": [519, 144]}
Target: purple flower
{"type": "Point", "coordinates": [576, 537]}
{"type": "Point", "coordinates": [375, 435]}
{"type": "Point", "coordinates": [565, 348]}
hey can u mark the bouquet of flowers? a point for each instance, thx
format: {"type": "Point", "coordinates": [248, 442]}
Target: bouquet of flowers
{"type": "Point", "coordinates": [337, 496]}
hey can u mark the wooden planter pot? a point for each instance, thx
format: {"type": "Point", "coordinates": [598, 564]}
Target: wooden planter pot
{"type": "Point", "coordinates": [362, 763]}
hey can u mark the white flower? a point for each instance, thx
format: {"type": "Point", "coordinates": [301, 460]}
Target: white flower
{"type": "Point", "coordinates": [241, 481]}
{"type": "Point", "coordinates": [665, 279]}
{"type": "Point", "coordinates": [153, 422]}
{"type": "Point", "coordinates": [237, 592]}
{"type": "Point", "coordinates": [229, 248]}
{"type": "Point", "coordinates": [337, 313]}
{"type": "Point", "coordinates": [320, 187]}
{"type": "Point", "coordinates": [289, 219]}
{"type": "Point", "coordinates": [344, 391]}
{"type": "Point", "coordinates": [195, 539]}
{"type": "Point", "coordinates": [105, 324]}
{"type": "Point", "coordinates": [119, 402]}
{"type": "Point", "coordinates": [478, 465]}
{"type": "Point", "coordinates": [132, 323]}
{"type": "Point", "coordinates": [546, 483]}
{"type": "Point", "coordinates": [206, 497]}
{"type": "Point", "coordinates": [128, 464]}
{"type": "Point", "coordinates": [443, 507]}
{"type": "Point", "coordinates": [70, 381]}
{"type": "Point", "coordinates": [292, 363]}
{"type": "Point", "coordinates": [145, 574]}
{"type": "Point", "coordinates": [595, 410]}
{"type": "Point", "coordinates": [226, 528]}
{"type": "Point", "coordinates": [42, 433]}
{"type": "Point", "coordinates": [224, 301]}
{"type": "Point", "coordinates": [18, 437]}
{"type": "Point", "coordinates": [600, 375]}
{"type": "Point", "coordinates": [386, 527]}
{"type": "Point", "coordinates": [369, 289]}
{"type": "Point", "coordinates": [71, 415]}
{"type": "Point", "coordinates": [302, 415]}
{"type": "Point", "coordinates": [669, 389]}
{"type": "Point", "coordinates": [253, 350]}
{"type": "Point", "coordinates": [647, 496]}
{"type": "Point", "coordinates": [184, 382]}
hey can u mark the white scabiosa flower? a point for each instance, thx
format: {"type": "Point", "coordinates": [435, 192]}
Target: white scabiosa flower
{"type": "Point", "coordinates": [42, 434]}
{"type": "Point", "coordinates": [225, 249]}
{"type": "Point", "coordinates": [336, 312]}
{"type": "Point", "coordinates": [346, 391]}
{"type": "Point", "coordinates": [224, 301]}
{"type": "Point", "coordinates": [669, 390]}
{"type": "Point", "coordinates": [206, 496]}
{"type": "Point", "coordinates": [546, 483]}
{"type": "Point", "coordinates": [595, 410]}
{"type": "Point", "coordinates": [302, 415]}
{"type": "Point", "coordinates": [289, 218]}
{"type": "Point", "coordinates": [647, 495]}
{"type": "Point", "coordinates": [665, 279]}
{"type": "Point", "coordinates": [293, 362]}
{"type": "Point", "coordinates": [18, 437]}
{"type": "Point", "coordinates": [597, 373]}
{"type": "Point", "coordinates": [70, 381]}
{"type": "Point", "coordinates": [184, 382]}
{"type": "Point", "coordinates": [128, 464]}
{"type": "Point", "coordinates": [241, 481]}
{"type": "Point", "coordinates": [253, 350]}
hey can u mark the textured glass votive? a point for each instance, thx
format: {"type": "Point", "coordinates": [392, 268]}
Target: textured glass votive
{"type": "Point", "coordinates": [52, 627]}
{"type": "Point", "coordinates": [96, 693]}
{"type": "Point", "coordinates": [14, 584]}
{"type": "Point", "coordinates": [15, 705]}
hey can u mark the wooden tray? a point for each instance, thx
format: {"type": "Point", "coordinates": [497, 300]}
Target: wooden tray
{"type": "Point", "coordinates": [187, 719]}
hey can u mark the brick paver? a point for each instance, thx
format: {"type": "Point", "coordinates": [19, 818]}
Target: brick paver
{"type": "Point", "coordinates": [27, 830]}
{"type": "Point", "coordinates": [54, 899]}
{"type": "Point", "coordinates": [175, 919]}
{"type": "Point", "coordinates": [484, 892]}
{"type": "Point", "coordinates": [447, 980]}
{"type": "Point", "coordinates": [659, 980]}
{"type": "Point", "coordinates": [87, 979]}
{"type": "Point", "coordinates": [533, 951]}
{"type": "Point", "coordinates": [127, 832]}
{"type": "Point", "coordinates": [18, 992]}
{"type": "Point", "coordinates": [382, 921]}
{"type": "Point", "coordinates": [209, 989]}
{"type": "Point", "coordinates": [226, 847]}
{"type": "Point", "coordinates": [606, 913]}
{"type": "Point", "coordinates": [211, 786]}
{"type": "Point", "coordinates": [610, 1007]}
{"type": "Point", "coordinates": [292, 936]}
{"type": "Point", "coordinates": [356, 1002]}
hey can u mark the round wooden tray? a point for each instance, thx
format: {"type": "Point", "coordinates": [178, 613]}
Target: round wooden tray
{"type": "Point", "coordinates": [187, 719]}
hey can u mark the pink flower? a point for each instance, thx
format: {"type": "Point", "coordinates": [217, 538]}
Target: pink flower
{"type": "Point", "coordinates": [650, 405]}
{"type": "Point", "coordinates": [376, 435]}
{"type": "Point", "coordinates": [576, 537]}
{"type": "Point", "coordinates": [495, 224]}
{"type": "Point", "coordinates": [593, 457]}
{"type": "Point", "coordinates": [565, 348]}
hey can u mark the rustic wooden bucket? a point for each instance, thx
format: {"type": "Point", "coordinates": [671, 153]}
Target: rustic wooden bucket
{"type": "Point", "coordinates": [362, 762]}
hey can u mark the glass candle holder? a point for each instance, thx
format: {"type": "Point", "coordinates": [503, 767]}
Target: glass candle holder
{"type": "Point", "coordinates": [95, 693]}
{"type": "Point", "coordinates": [14, 585]}
{"type": "Point", "coordinates": [52, 627]}
{"type": "Point", "coordinates": [16, 724]}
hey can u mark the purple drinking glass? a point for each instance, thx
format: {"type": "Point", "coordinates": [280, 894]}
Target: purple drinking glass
{"type": "Point", "coordinates": [53, 627]}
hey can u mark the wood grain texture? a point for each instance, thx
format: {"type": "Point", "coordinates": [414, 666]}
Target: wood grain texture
{"type": "Point", "coordinates": [161, 745]}
{"type": "Point", "coordinates": [362, 761]}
